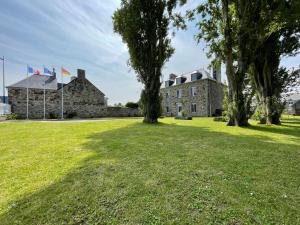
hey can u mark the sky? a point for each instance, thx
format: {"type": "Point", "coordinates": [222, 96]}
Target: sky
{"type": "Point", "coordinates": [79, 34]}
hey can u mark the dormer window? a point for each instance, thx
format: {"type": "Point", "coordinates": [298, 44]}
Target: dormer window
{"type": "Point", "coordinates": [196, 76]}
{"type": "Point", "coordinates": [180, 80]}
{"type": "Point", "coordinates": [169, 83]}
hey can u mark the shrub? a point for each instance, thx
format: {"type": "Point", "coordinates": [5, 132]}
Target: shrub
{"type": "Point", "coordinates": [52, 116]}
{"type": "Point", "coordinates": [259, 115]}
{"type": "Point", "coordinates": [132, 105]}
{"type": "Point", "coordinates": [71, 115]}
{"type": "Point", "coordinates": [12, 116]}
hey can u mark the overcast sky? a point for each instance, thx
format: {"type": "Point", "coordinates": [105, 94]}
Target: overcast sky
{"type": "Point", "coordinates": [79, 34]}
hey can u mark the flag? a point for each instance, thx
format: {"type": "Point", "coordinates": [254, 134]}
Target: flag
{"type": "Point", "coordinates": [37, 72]}
{"type": "Point", "coordinates": [65, 72]}
{"type": "Point", "coordinates": [29, 69]}
{"type": "Point", "coordinates": [47, 71]}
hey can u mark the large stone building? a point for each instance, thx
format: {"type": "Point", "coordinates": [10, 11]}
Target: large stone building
{"type": "Point", "coordinates": [193, 94]}
{"type": "Point", "coordinates": [293, 104]}
{"type": "Point", "coordinates": [80, 98]}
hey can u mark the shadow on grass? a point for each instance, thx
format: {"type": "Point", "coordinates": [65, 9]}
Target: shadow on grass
{"type": "Point", "coordinates": [170, 174]}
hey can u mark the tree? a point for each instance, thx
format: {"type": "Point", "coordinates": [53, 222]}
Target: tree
{"type": "Point", "coordinates": [132, 105]}
{"type": "Point", "coordinates": [277, 34]}
{"type": "Point", "coordinates": [225, 25]}
{"type": "Point", "coordinates": [144, 27]}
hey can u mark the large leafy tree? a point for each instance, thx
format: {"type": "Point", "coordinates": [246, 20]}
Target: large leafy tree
{"type": "Point", "coordinates": [144, 27]}
{"type": "Point", "coordinates": [276, 34]}
{"type": "Point", "coordinates": [225, 25]}
{"type": "Point", "coordinates": [251, 37]}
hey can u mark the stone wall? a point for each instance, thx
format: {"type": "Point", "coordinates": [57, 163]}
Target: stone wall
{"type": "Point", "coordinates": [209, 98]}
{"type": "Point", "coordinates": [81, 99]}
{"type": "Point", "coordinates": [120, 112]}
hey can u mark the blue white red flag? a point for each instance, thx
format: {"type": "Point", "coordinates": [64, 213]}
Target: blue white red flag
{"type": "Point", "coordinates": [37, 72]}
{"type": "Point", "coordinates": [30, 69]}
{"type": "Point", "coordinates": [47, 71]}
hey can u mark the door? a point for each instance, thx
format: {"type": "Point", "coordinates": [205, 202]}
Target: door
{"type": "Point", "coordinates": [179, 109]}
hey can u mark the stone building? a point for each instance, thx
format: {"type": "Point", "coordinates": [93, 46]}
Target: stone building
{"type": "Point", "coordinates": [193, 94]}
{"type": "Point", "coordinates": [80, 98]}
{"type": "Point", "coordinates": [293, 104]}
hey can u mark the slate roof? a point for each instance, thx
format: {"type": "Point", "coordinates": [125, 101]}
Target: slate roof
{"type": "Point", "coordinates": [37, 82]}
{"type": "Point", "coordinates": [188, 76]}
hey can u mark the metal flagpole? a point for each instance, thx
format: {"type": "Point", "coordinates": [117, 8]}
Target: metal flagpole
{"type": "Point", "coordinates": [45, 100]}
{"type": "Point", "coordinates": [44, 96]}
{"type": "Point", "coordinates": [3, 100]}
{"type": "Point", "coordinates": [27, 98]}
{"type": "Point", "coordinates": [3, 81]}
{"type": "Point", "coordinates": [62, 96]}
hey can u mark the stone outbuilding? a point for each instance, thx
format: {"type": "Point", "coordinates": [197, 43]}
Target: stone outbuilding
{"type": "Point", "coordinates": [81, 98]}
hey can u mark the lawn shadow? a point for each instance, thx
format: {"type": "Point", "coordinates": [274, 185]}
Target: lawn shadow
{"type": "Point", "coordinates": [144, 174]}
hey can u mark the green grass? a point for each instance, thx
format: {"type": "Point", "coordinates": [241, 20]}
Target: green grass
{"type": "Point", "coordinates": [126, 172]}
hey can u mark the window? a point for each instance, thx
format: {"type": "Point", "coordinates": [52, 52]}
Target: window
{"type": "Point", "coordinates": [194, 108]}
{"type": "Point", "coordinates": [167, 94]}
{"type": "Point", "coordinates": [196, 76]}
{"type": "Point", "coordinates": [194, 91]}
{"type": "Point", "coordinates": [167, 109]}
{"type": "Point", "coordinates": [179, 93]}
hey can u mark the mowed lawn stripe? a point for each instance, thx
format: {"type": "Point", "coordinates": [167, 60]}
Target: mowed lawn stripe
{"type": "Point", "coordinates": [126, 172]}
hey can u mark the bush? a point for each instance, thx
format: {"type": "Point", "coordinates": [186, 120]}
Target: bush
{"type": "Point", "coordinates": [52, 116]}
{"type": "Point", "coordinates": [71, 115]}
{"type": "Point", "coordinates": [259, 115]}
{"type": "Point", "coordinates": [220, 119]}
{"type": "Point", "coordinates": [132, 105]}
{"type": "Point", "coordinates": [12, 116]}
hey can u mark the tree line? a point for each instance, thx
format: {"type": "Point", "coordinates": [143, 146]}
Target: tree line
{"type": "Point", "coordinates": [249, 37]}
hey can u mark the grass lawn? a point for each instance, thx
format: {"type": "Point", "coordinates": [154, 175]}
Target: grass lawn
{"type": "Point", "coordinates": [126, 172]}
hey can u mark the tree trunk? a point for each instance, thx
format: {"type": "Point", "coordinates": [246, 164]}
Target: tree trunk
{"type": "Point", "coordinates": [151, 101]}
{"type": "Point", "coordinates": [236, 104]}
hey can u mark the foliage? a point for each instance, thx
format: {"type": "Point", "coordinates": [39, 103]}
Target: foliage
{"type": "Point", "coordinates": [226, 27]}
{"type": "Point", "coordinates": [144, 27]}
{"type": "Point", "coordinates": [277, 34]}
{"type": "Point", "coordinates": [71, 115]}
{"type": "Point", "coordinates": [12, 116]}
{"type": "Point", "coordinates": [133, 105]}
{"type": "Point", "coordinates": [251, 37]}
{"type": "Point", "coordinates": [118, 104]}
{"type": "Point", "coordinates": [108, 172]}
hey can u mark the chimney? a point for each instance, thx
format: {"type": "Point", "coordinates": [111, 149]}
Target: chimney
{"type": "Point", "coordinates": [53, 73]}
{"type": "Point", "coordinates": [172, 76]}
{"type": "Point", "coordinates": [81, 74]}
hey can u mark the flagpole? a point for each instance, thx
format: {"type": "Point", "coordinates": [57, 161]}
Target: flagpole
{"type": "Point", "coordinates": [62, 96]}
{"type": "Point", "coordinates": [27, 99]}
{"type": "Point", "coordinates": [3, 81]}
{"type": "Point", "coordinates": [44, 96]}
{"type": "Point", "coordinates": [45, 100]}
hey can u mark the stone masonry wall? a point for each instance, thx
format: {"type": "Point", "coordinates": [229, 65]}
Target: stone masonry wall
{"type": "Point", "coordinates": [209, 98]}
{"type": "Point", "coordinates": [81, 99]}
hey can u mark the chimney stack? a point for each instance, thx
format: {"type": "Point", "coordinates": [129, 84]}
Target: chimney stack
{"type": "Point", "coordinates": [53, 73]}
{"type": "Point", "coordinates": [81, 74]}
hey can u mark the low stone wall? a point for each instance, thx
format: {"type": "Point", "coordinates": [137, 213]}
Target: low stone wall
{"type": "Point", "coordinates": [120, 112]}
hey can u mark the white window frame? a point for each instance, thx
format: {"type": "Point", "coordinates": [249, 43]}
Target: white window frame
{"type": "Point", "coordinates": [193, 91]}
{"type": "Point", "coordinates": [193, 104]}
{"type": "Point", "coordinates": [179, 93]}
{"type": "Point", "coordinates": [167, 94]}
